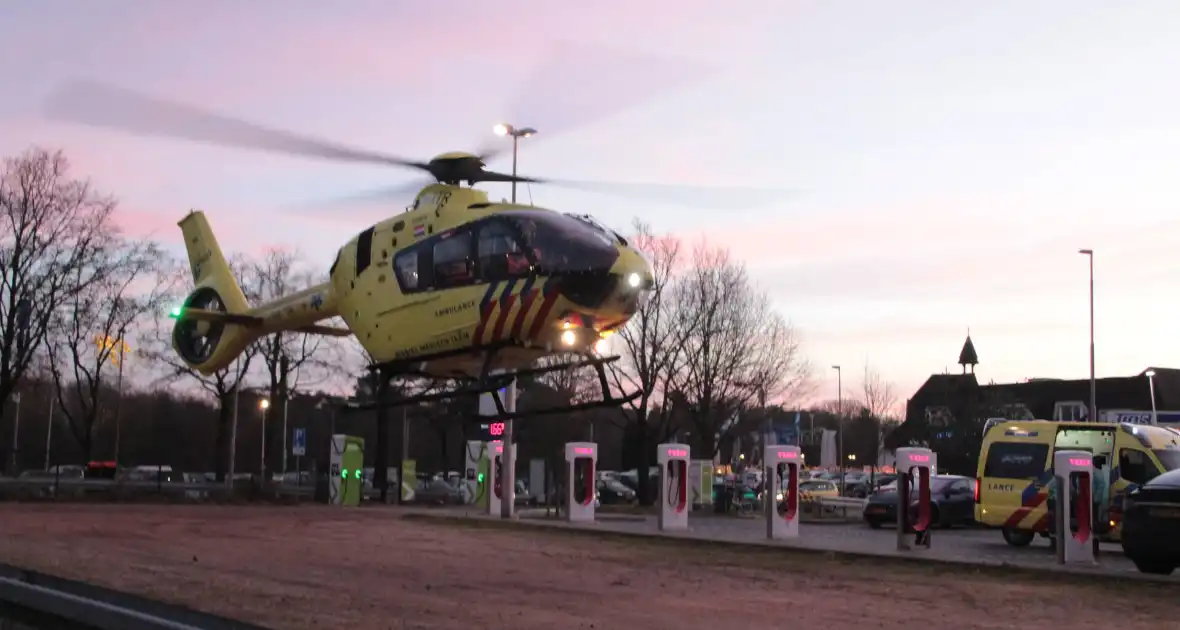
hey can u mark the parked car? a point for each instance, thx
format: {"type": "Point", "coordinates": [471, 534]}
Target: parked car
{"type": "Point", "coordinates": [952, 496]}
{"type": "Point", "coordinates": [438, 492]}
{"type": "Point", "coordinates": [1151, 525]}
{"type": "Point", "coordinates": [611, 491]}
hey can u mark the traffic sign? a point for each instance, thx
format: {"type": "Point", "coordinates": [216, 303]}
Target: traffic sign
{"type": "Point", "coordinates": [299, 442]}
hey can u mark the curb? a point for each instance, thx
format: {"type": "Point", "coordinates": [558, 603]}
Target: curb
{"type": "Point", "coordinates": [1001, 569]}
{"type": "Point", "coordinates": [55, 601]}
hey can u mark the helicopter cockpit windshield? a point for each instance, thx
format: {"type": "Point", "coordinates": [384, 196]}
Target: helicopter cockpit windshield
{"type": "Point", "coordinates": [562, 243]}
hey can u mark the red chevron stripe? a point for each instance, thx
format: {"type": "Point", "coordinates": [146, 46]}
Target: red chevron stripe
{"type": "Point", "coordinates": [546, 306]}
{"type": "Point", "coordinates": [1021, 512]}
{"type": "Point", "coordinates": [525, 305]}
{"type": "Point", "coordinates": [484, 316]}
{"type": "Point", "coordinates": [1042, 524]}
{"type": "Point", "coordinates": [505, 308]}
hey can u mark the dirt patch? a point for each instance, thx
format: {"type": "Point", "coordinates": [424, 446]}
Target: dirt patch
{"type": "Point", "coordinates": [315, 567]}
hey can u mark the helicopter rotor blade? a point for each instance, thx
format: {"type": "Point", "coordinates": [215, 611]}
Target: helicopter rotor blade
{"type": "Point", "coordinates": [401, 193]}
{"type": "Point", "coordinates": [96, 104]}
{"type": "Point", "coordinates": [566, 91]}
{"type": "Point", "coordinates": [706, 197]}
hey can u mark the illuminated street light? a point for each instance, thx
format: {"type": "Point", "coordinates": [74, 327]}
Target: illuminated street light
{"type": "Point", "coordinates": [505, 129]}
{"type": "Point", "coordinates": [1151, 390]}
{"type": "Point", "coordinates": [264, 404]}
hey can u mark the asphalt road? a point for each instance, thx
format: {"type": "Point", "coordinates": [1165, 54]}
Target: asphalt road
{"type": "Point", "coordinates": [961, 544]}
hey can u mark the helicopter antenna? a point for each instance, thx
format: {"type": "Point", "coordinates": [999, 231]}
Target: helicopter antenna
{"type": "Point", "coordinates": [529, 187]}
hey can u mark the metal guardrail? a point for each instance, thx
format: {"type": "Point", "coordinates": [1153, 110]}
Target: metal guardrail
{"type": "Point", "coordinates": [50, 488]}
{"type": "Point", "coordinates": [39, 601]}
{"type": "Point", "coordinates": [108, 484]}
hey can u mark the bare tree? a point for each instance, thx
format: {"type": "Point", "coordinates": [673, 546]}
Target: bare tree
{"type": "Point", "coordinates": [289, 357]}
{"type": "Point", "coordinates": [878, 396]}
{"type": "Point", "coordinates": [651, 348]}
{"type": "Point", "coordinates": [123, 285]}
{"type": "Point", "coordinates": [51, 227]}
{"type": "Point", "coordinates": [738, 349]}
{"type": "Point", "coordinates": [879, 399]}
{"type": "Point", "coordinates": [222, 385]}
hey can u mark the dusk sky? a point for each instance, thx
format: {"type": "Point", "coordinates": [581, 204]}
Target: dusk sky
{"type": "Point", "coordinates": [948, 158]}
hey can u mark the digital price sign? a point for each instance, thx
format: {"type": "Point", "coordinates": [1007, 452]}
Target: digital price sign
{"type": "Point", "coordinates": [787, 454]}
{"type": "Point", "coordinates": [677, 452]}
{"type": "Point", "coordinates": [491, 430]}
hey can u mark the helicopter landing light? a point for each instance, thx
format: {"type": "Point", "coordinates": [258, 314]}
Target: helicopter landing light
{"type": "Point", "coordinates": [600, 346]}
{"type": "Point", "coordinates": [569, 337]}
{"type": "Point", "coordinates": [634, 280]}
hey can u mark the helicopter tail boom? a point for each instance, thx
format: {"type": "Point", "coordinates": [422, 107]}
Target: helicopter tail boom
{"type": "Point", "coordinates": [216, 322]}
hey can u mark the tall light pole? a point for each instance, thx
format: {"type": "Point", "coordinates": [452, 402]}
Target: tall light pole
{"type": "Point", "coordinates": [504, 129]}
{"type": "Point", "coordinates": [233, 426]}
{"type": "Point", "coordinates": [840, 423]}
{"type": "Point", "coordinates": [263, 405]}
{"type": "Point", "coordinates": [1089, 253]}
{"type": "Point", "coordinates": [1151, 390]}
{"type": "Point", "coordinates": [24, 313]}
{"type": "Point", "coordinates": [508, 483]}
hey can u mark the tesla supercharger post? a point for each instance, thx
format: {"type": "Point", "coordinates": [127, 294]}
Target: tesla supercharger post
{"type": "Point", "coordinates": [346, 461]}
{"type": "Point", "coordinates": [581, 462]}
{"type": "Point", "coordinates": [495, 477]}
{"type": "Point", "coordinates": [782, 478]}
{"type": "Point", "coordinates": [673, 460]}
{"type": "Point", "coordinates": [1074, 471]}
{"type": "Point", "coordinates": [915, 467]}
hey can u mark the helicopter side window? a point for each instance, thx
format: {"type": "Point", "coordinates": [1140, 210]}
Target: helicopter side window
{"type": "Point", "coordinates": [407, 269]}
{"type": "Point", "coordinates": [453, 262]}
{"type": "Point", "coordinates": [500, 255]}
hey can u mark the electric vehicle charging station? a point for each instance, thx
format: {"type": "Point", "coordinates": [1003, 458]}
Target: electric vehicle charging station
{"type": "Point", "coordinates": [1074, 472]}
{"type": "Point", "coordinates": [915, 467]}
{"type": "Point", "coordinates": [476, 472]}
{"type": "Point", "coordinates": [581, 463]}
{"type": "Point", "coordinates": [346, 464]}
{"type": "Point", "coordinates": [782, 480]}
{"type": "Point", "coordinates": [494, 491]}
{"type": "Point", "coordinates": [673, 460]}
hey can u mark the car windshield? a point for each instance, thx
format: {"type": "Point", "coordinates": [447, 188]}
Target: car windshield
{"type": "Point", "coordinates": [562, 243]}
{"type": "Point", "coordinates": [1170, 458]}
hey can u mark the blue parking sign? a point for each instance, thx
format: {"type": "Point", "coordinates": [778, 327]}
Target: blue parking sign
{"type": "Point", "coordinates": [299, 442]}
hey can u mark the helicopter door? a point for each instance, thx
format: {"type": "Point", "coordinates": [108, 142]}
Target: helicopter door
{"type": "Point", "coordinates": [454, 265]}
{"type": "Point", "coordinates": [500, 254]}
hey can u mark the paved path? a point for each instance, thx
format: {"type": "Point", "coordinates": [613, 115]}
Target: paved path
{"type": "Point", "coordinates": [977, 546]}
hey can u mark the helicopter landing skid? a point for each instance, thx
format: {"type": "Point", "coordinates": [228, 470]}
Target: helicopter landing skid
{"type": "Point", "coordinates": [599, 364]}
{"type": "Point", "coordinates": [491, 383]}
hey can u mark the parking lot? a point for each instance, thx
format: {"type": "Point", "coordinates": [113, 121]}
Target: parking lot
{"type": "Point", "coordinates": [979, 546]}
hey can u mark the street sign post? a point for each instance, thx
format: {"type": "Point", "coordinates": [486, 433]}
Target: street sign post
{"type": "Point", "coordinates": [299, 443]}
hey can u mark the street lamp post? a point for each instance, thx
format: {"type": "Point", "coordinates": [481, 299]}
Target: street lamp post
{"type": "Point", "coordinates": [840, 423]}
{"type": "Point", "coordinates": [1151, 391]}
{"type": "Point", "coordinates": [233, 426]}
{"type": "Point", "coordinates": [504, 129]}
{"type": "Point", "coordinates": [507, 507]}
{"type": "Point", "coordinates": [1089, 253]}
{"type": "Point", "coordinates": [263, 405]}
{"type": "Point", "coordinates": [24, 313]}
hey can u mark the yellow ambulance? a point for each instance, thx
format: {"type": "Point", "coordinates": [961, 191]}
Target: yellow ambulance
{"type": "Point", "coordinates": [1016, 465]}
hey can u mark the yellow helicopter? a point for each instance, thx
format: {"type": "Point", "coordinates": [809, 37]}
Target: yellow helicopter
{"type": "Point", "coordinates": [456, 287]}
